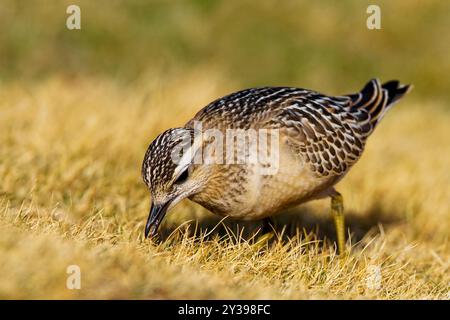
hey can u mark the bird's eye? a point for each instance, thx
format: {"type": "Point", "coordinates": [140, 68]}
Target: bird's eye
{"type": "Point", "coordinates": [182, 177]}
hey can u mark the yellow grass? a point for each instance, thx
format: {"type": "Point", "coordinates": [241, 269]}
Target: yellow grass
{"type": "Point", "coordinates": [71, 194]}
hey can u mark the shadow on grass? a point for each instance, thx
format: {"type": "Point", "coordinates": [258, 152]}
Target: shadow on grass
{"type": "Point", "coordinates": [290, 223]}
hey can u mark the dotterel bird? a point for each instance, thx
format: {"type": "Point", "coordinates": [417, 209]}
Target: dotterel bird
{"type": "Point", "coordinates": [319, 137]}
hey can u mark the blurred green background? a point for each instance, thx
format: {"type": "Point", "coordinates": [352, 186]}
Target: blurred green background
{"type": "Point", "coordinates": [323, 45]}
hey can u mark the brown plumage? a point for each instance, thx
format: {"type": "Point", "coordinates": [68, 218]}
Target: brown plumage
{"type": "Point", "coordinates": [320, 138]}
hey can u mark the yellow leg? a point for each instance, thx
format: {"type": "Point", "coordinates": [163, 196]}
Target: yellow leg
{"type": "Point", "coordinates": [337, 210]}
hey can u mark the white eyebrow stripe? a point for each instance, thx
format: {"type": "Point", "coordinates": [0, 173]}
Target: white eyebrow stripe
{"type": "Point", "coordinates": [187, 157]}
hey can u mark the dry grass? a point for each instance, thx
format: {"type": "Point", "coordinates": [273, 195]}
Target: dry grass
{"type": "Point", "coordinates": [71, 193]}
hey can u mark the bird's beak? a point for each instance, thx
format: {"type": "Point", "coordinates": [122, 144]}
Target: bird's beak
{"type": "Point", "coordinates": [157, 213]}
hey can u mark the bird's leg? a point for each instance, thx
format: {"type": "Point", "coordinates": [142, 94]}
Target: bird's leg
{"type": "Point", "coordinates": [266, 232]}
{"type": "Point", "coordinates": [268, 223]}
{"type": "Point", "coordinates": [337, 210]}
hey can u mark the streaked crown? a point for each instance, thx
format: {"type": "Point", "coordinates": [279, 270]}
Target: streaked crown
{"type": "Point", "coordinates": [160, 161]}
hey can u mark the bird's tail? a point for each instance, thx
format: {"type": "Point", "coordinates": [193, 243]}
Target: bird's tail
{"type": "Point", "coordinates": [376, 99]}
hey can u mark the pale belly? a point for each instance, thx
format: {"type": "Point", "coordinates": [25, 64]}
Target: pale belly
{"type": "Point", "coordinates": [294, 183]}
{"type": "Point", "coordinates": [260, 194]}
{"type": "Point", "coordinates": [282, 191]}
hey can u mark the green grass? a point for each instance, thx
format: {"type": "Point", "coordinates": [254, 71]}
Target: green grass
{"type": "Point", "coordinates": [298, 43]}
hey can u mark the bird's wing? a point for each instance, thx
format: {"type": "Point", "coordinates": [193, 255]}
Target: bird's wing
{"type": "Point", "coordinates": [319, 128]}
{"type": "Point", "coordinates": [328, 132]}
{"type": "Point", "coordinates": [245, 109]}
{"type": "Point", "coordinates": [323, 131]}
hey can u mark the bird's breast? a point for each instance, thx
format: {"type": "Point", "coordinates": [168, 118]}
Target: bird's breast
{"type": "Point", "coordinates": [251, 192]}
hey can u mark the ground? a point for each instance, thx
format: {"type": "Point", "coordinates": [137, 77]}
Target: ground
{"type": "Point", "coordinates": [71, 194]}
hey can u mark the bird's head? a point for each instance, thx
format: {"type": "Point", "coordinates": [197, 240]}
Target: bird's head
{"type": "Point", "coordinates": [170, 173]}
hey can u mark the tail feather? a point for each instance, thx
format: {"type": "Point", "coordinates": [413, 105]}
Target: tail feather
{"type": "Point", "coordinates": [376, 99]}
{"type": "Point", "coordinates": [395, 90]}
